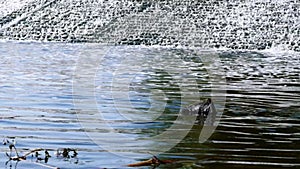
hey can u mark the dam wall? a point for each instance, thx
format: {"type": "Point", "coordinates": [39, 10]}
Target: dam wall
{"type": "Point", "coordinates": [244, 24]}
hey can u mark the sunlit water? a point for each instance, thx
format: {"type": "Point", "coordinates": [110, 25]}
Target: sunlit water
{"type": "Point", "coordinates": [259, 128]}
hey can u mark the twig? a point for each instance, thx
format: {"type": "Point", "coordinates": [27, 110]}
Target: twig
{"type": "Point", "coordinates": [33, 151]}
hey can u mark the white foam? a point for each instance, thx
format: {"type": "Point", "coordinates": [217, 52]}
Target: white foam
{"type": "Point", "coordinates": [281, 50]}
{"type": "Point", "coordinates": [8, 6]}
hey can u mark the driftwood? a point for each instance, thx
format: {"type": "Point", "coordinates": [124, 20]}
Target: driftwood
{"type": "Point", "coordinates": [64, 153]}
{"type": "Point", "coordinates": [154, 161]}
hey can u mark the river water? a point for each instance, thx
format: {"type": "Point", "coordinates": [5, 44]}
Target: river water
{"type": "Point", "coordinates": [56, 96]}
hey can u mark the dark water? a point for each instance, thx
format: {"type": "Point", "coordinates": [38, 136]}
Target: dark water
{"type": "Point", "coordinates": [259, 127]}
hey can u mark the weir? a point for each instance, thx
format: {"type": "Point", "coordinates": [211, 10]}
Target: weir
{"type": "Point", "coordinates": [244, 24]}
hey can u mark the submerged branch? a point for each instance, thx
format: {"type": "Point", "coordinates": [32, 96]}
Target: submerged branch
{"type": "Point", "coordinates": [154, 161]}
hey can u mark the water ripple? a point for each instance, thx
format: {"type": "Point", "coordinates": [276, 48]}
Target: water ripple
{"type": "Point", "coordinates": [259, 127]}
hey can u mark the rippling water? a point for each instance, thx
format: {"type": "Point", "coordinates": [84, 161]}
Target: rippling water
{"type": "Point", "coordinates": [139, 92]}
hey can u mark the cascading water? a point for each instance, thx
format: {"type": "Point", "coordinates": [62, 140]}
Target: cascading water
{"type": "Point", "coordinates": [247, 24]}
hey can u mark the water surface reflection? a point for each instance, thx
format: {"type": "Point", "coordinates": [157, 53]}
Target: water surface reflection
{"type": "Point", "coordinates": [259, 127]}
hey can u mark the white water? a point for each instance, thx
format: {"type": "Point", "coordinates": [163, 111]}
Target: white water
{"type": "Point", "coordinates": [251, 24]}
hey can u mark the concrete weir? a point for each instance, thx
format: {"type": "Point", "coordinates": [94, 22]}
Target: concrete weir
{"type": "Point", "coordinates": [243, 24]}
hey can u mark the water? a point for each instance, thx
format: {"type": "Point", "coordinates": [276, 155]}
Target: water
{"type": "Point", "coordinates": [259, 127]}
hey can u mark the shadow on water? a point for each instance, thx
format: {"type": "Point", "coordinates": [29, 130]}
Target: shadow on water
{"type": "Point", "coordinates": [259, 127]}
